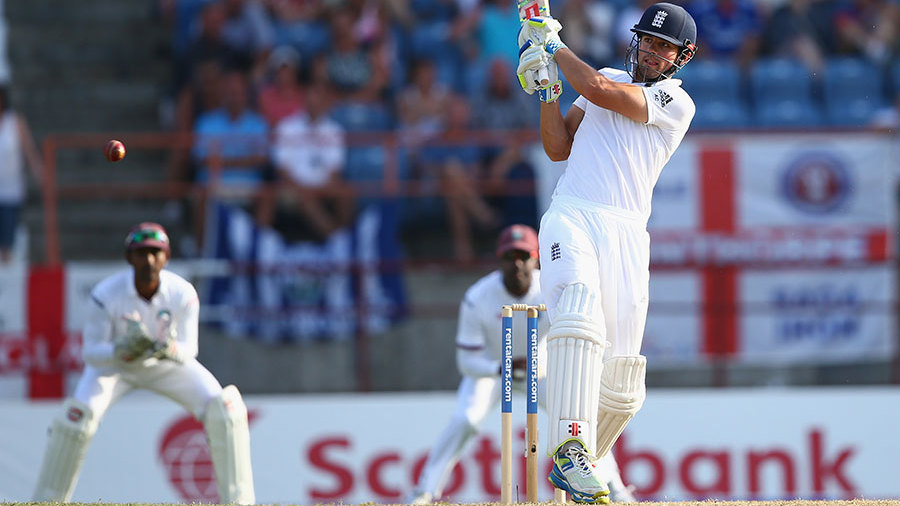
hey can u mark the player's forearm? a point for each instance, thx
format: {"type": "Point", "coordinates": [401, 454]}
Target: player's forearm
{"type": "Point", "coordinates": [554, 135]}
{"type": "Point", "coordinates": [582, 77]}
{"type": "Point", "coordinates": [474, 364]}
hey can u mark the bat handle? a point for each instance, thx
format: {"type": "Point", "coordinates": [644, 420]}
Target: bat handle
{"type": "Point", "coordinates": [542, 77]}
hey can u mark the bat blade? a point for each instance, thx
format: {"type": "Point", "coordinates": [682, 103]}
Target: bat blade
{"type": "Point", "coordinates": [531, 9]}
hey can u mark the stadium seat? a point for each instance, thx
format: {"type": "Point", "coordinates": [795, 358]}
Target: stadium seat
{"type": "Point", "coordinates": [720, 114]}
{"type": "Point", "coordinates": [895, 77]}
{"type": "Point", "coordinates": [432, 40]}
{"type": "Point", "coordinates": [852, 112]}
{"type": "Point", "coordinates": [712, 80]}
{"type": "Point", "coordinates": [852, 91]}
{"type": "Point", "coordinates": [363, 117]}
{"type": "Point", "coordinates": [365, 163]}
{"type": "Point", "coordinates": [788, 113]}
{"type": "Point", "coordinates": [773, 80]}
{"type": "Point", "coordinates": [851, 77]}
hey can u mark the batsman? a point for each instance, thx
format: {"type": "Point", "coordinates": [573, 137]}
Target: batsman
{"type": "Point", "coordinates": [141, 332]}
{"type": "Point", "coordinates": [594, 245]}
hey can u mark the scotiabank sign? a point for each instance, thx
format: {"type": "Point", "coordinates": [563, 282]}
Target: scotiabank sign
{"type": "Point", "coordinates": [684, 444]}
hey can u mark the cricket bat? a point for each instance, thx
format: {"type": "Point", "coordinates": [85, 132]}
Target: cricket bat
{"type": "Point", "coordinates": [532, 9]}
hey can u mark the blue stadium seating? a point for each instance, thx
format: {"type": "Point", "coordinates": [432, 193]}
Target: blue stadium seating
{"type": "Point", "coordinates": [856, 112]}
{"type": "Point", "coordinates": [712, 80]}
{"type": "Point", "coordinates": [895, 77]}
{"type": "Point", "coordinates": [780, 79]}
{"type": "Point", "coordinates": [849, 77]}
{"type": "Point", "coordinates": [720, 114]}
{"type": "Point", "coordinates": [363, 117]}
{"type": "Point", "coordinates": [431, 40]}
{"type": "Point", "coordinates": [365, 163]}
{"type": "Point", "coordinates": [788, 113]}
{"type": "Point", "coordinates": [852, 91]}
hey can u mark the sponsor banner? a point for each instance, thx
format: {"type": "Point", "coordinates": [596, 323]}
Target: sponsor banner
{"type": "Point", "coordinates": [294, 291]}
{"type": "Point", "coordinates": [12, 300]}
{"type": "Point", "coordinates": [674, 320]}
{"type": "Point", "coordinates": [13, 339]}
{"type": "Point", "coordinates": [775, 199]}
{"type": "Point", "coordinates": [772, 246]}
{"type": "Point", "coordinates": [829, 181]}
{"type": "Point", "coordinates": [809, 214]}
{"type": "Point", "coordinates": [80, 280]}
{"type": "Point", "coordinates": [731, 444]}
{"type": "Point", "coordinates": [817, 316]}
{"type": "Point", "coordinates": [677, 192]}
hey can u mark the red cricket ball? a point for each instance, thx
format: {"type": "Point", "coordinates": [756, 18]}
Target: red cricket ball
{"type": "Point", "coordinates": [114, 150]}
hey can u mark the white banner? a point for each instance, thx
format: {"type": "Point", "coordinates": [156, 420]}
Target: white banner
{"type": "Point", "coordinates": [784, 243]}
{"type": "Point", "coordinates": [683, 445]}
{"type": "Point", "coordinates": [817, 316]}
{"type": "Point", "coordinates": [674, 333]}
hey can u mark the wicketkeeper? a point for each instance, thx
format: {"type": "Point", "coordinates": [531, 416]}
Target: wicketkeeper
{"type": "Point", "coordinates": [141, 332]}
{"type": "Point", "coordinates": [594, 246]}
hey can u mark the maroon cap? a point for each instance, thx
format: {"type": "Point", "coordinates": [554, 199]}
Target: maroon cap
{"type": "Point", "coordinates": [518, 237]}
{"type": "Point", "coordinates": [147, 235]}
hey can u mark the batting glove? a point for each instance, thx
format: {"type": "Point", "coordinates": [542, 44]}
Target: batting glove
{"type": "Point", "coordinates": [532, 60]}
{"type": "Point", "coordinates": [544, 32]}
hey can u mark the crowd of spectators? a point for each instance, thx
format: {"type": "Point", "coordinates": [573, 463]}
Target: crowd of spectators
{"type": "Point", "coordinates": [303, 74]}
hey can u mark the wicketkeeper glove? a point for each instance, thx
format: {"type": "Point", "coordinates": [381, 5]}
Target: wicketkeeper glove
{"type": "Point", "coordinates": [136, 343]}
{"type": "Point", "coordinates": [169, 349]}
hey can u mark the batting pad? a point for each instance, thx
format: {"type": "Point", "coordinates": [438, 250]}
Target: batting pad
{"type": "Point", "coordinates": [228, 435]}
{"type": "Point", "coordinates": [622, 393]}
{"type": "Point", "coordinates": [70, 435]}
{"type": "Point", "coordinates": [575, 345]}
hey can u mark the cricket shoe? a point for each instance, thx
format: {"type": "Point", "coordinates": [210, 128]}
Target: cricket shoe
{"type": "Point", "coordinates": [575, 472]}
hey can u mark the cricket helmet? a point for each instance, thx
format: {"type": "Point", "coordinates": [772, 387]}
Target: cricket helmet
{"type": "Point", "coordinates": [671, 23]}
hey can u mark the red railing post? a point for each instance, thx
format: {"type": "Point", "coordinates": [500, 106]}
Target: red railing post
{"type": "Point", "coordinates": [49, 198]}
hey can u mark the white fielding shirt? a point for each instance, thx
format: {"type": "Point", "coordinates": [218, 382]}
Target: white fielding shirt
{"type": "Point", "coordinates": [309, 151]}
{"type": "Point", "coordinates": [478, 338]}
{"type": "Point", "coordinates": [616, 161]}
{"type": "Point", "coordinates": [174, 304]}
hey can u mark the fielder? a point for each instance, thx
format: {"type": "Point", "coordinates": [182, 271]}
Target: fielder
{"type": "Point", "coordinates": [478, 359]}
{"type": "Point", "coordinates": [594, 245]}
{"type": "Point", "coordinates": [141, 332]}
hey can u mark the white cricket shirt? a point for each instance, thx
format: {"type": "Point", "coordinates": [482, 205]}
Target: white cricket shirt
{"type": "Point", "coordinates": [12, 173]}
{"type": "Point", "coordinates": [175, 304]}
{"type": "Point", "coordinates": [616, 161]}
{"type": "Point", "coordinates": [479, 328]}
{"type": "Point", "coordinates": [309, 151]}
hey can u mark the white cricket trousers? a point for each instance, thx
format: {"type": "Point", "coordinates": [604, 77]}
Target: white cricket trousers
{"type": "Point", "coordinates": [606, 248]}
{"type": "Point", "coordinates": [189, 384]}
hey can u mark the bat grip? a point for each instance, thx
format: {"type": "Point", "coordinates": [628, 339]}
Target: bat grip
{"type": "Point", "coordinates": [542, 77]}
